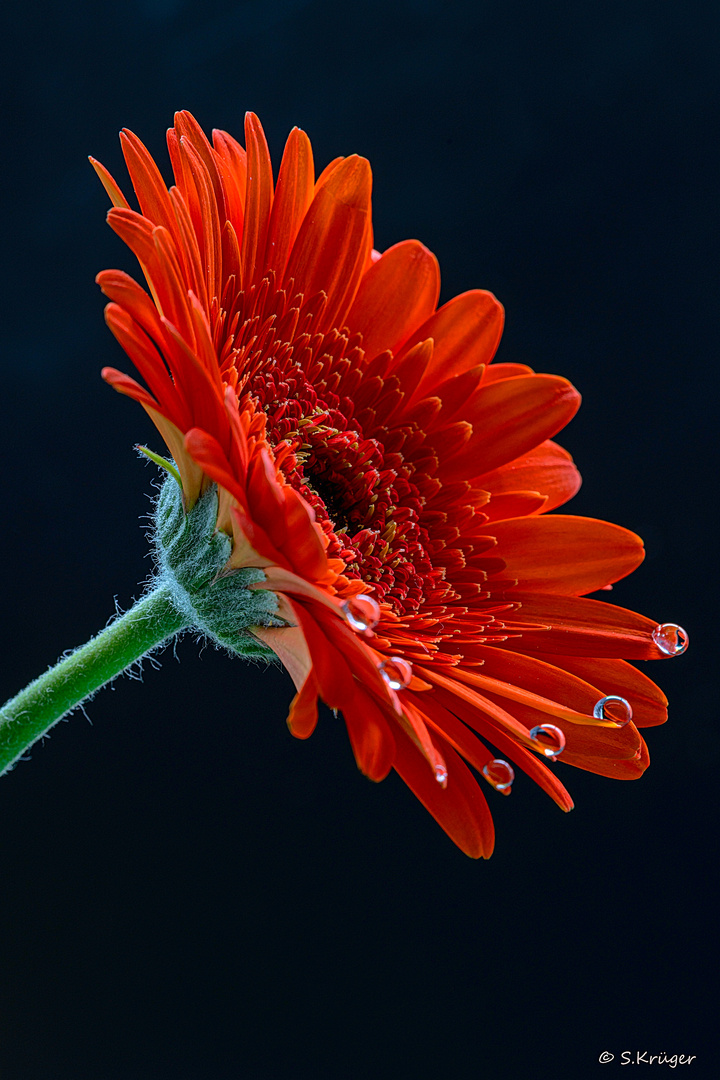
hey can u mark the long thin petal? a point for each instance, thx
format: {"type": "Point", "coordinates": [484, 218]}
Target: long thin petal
{"type": "Point", "coordinates": [370, 737]}
{"type": "Point", "coordinates": [564, 554]}
{"type": "Point", "coordinates": [580, 627]}
{"type": "Point", "coordinates": [188, 129]}
{"type": "Point", "coordinates": [330, 250]}
{"type": "Point", "coordinates": [289, 644]}
{"type": "Point", "coordinates": [460, 808]}
{"type": "Point", "coordinates": [293, 195]}
{"type": "Point", "coordinates": [232, 165]}
{"type": "Point", "coordinates": [511, 749]}
{"type": "Point", "coordinates": [258, 201]}
{"type": "Point", "coordinates": [396, 295]}
{"type": "Point", "coordinates": [110, 184]}
{"type": "Point", "coordinates": [627, 769]}
{"type": "Point", "coordinates": [466, 332]}
{"type": "Point", "coordinates": [547, 469]}
{"type": "Point", "coordinates": [510, 418]}
{"type": "Point", "coordinates": [149, 363]}
{"type": "Point", "coordinates": [149, 185]}
{"type": "Point", "coordinates": [303, 716]}
{"type": "Point", "coordinates": [648, 702]}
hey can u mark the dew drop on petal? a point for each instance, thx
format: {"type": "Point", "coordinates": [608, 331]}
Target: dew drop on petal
{"type": "Point", "coordinates": [671, 639]}
{"type": "Point", "coordinates": [441, 774]}
{"type": "Point", "coordinates": [621, 714]}
{"type": "Point", "coordinates": [549, 740]}
{"type": "Point", "coordinates": [500, 774]}
{"type": "Point", "coordinates": [362, 612]}
{"type": "Point", "coordinates": [396, 672]}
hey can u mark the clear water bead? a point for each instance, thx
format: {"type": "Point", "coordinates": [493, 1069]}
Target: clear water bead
{"type": "Point", "coordinates": [549, 740]}
{"type": "Point", "coordinates": [396, 672]}
{"type": "Point", "coordinates": [362, 612]}
{"type": "Point", "coordinates": [500, 774]}
{"type": "Point", "coordinates": [441, 775]}
{"type": "Point", "coordinates": [671, 639]}
{"type": "Point", "coordinates": [620, 715]}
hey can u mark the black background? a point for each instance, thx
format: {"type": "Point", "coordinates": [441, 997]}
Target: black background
{"type": "Point", "coordinates": [186, 891]}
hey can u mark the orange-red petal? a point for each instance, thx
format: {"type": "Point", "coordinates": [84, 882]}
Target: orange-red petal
{"type": "Point", "coordinates": [510, 418]}
{"type": "Point", "coordinates": [258, 201]}
{"type": "Point", "coordinates": [396, 295]}
{"type": "Point", "coordinates": [547, 469]}
{"type": "Point", "coordinates": [371, 739]}
{"type": "Point", "coordinates": [293, 195]}
{"type": "Point", "coordinates": [466, 332]}
{"type": "Point", "coordinates": [330, 250]}
{"type": "Point", "coordinates": [565, 554]}
{"type": "Point", "coordinates": [576, 626]}
{"type": "Point", "coordinates": [303, 716]}
{"type": "Point", "coordinates": [460, 808]}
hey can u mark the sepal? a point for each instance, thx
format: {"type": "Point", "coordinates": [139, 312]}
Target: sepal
{"type": "Point", "coordinates": [192, 554]}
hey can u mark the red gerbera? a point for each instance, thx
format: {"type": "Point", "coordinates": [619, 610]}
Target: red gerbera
{"type": "Point", "coordinates": [390, 484]}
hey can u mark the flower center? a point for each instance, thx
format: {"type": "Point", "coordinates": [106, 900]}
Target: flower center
{"type": "Point", "coordinates": [364, 499]}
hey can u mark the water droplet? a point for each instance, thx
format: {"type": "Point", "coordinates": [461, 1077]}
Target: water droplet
{"type": "Point", "coordinates": [500, 774]}
{"type": "Point", "coordinates": [671, 639]}
{"type": "Point", "coordinates": [362, 612]}
{"type": "Point", "coordinates": [549, 740]}
{"type": "Point", "coordinates": [441, 774]}
{"type": "Point", "coordinates": [620, 715]}
{"type": "Point", "coordinates": [396, 672]}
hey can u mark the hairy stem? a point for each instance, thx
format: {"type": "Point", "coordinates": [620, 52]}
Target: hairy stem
{"type": "Point", "coordinates": [32, 712]}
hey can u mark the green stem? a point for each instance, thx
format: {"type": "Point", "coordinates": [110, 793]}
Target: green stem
{"type": "Point", "coordinates": [32, 712]}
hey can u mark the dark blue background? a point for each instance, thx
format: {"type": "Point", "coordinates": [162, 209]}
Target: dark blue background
{"type": "Point", "coordinates": [185, 891]}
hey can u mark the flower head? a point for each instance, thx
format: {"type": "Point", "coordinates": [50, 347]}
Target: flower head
{"type": "Point", "coordinates": [391, 482]}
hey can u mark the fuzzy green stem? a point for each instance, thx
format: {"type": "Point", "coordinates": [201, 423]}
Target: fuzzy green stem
{"type": "Point", "coordinates": [32, 712]}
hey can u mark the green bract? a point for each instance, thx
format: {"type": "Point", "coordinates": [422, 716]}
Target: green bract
{"type": "Point", "coordinates": [191, 555]}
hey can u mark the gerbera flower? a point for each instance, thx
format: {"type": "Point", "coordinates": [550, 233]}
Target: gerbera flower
{"type": "Point", "coordinates": [387, 483]}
